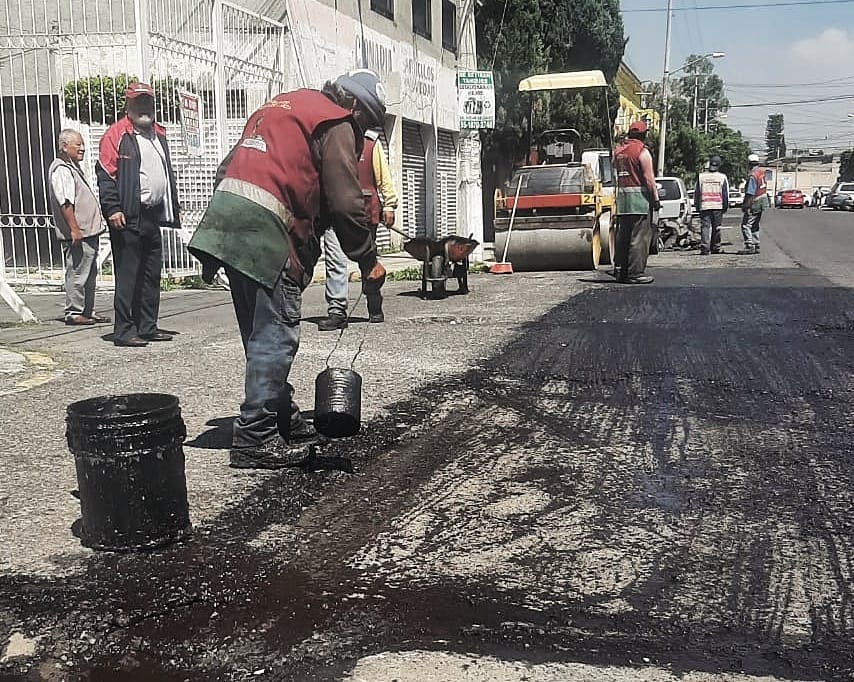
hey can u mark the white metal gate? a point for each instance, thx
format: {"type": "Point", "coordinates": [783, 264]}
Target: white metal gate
{"type": "Point", "coordinates": [414, 182]}
{"type": "Point", "coordinates": [66, 64]}
{"type": "Point", "coordinates": [446, 185]}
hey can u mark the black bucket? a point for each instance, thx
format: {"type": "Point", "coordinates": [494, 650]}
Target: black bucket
{"type": "Point", "coordinates": [337, 402]}
{"type": "Point", "coordinates": [130, 470]}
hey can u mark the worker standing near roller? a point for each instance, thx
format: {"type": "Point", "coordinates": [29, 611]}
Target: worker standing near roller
{"type": "Point", "coordinates": [637, 197]}
{"type": "Point", "coordinates": [755, 202]}
{"type": "Point", "coordinates": [292, 173]}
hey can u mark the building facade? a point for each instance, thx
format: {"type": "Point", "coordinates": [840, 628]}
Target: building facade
{"type": "Point", "coordinates": [635, 103]}
{"type": "Point", "coordinates": [65, 64]}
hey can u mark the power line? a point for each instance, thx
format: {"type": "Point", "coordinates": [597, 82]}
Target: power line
{"type": "Point", "coordinates": [838, 98]}
{"type": "Point", "coordinates": [789, 85]}
{"type": "Point", "coordinates": [498, 39]}
{"type": "Point", "coordinates": [700, 8]}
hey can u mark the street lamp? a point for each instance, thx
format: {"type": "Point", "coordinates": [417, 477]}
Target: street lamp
{"type": "Point", "coordinates": [664, 81]}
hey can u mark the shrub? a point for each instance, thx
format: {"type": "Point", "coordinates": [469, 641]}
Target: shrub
{"type": "Point", "coordinates": [97, 99]}
{"type": "Point", "coordinates": [101, 99]}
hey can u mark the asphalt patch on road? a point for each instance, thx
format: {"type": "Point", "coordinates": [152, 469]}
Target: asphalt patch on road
{"type": "Point", "coordinates": [657, 474]}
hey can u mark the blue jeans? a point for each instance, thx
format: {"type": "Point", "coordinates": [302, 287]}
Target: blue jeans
{"type": "Point", "coordinates": [336, 274]}
{"type": "Point", "coordinates": [336, 279]}
{"type": "Point", "coordinates": [269, 327]}
{"type": "Point", "coordinates": [750, 228]}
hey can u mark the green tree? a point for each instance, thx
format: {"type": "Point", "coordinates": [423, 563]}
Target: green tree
{"type": "Point", "coordinates": [688, 149]}
{"type": "Point", "coordinates": [97, 99]}
{"type": "Point", "coordinates": [523, 38]}
{"type": "Point", "coordinates": [733, 149]}
{"type": "Point", "coordinates": [775, 141]}
{"type": "Point", "coordinates": [101, 99]}
{"type": "Point", "coordinates": [700, 83]}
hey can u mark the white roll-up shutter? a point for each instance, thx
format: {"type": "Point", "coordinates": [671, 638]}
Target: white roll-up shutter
{"type": "Point", "coordinates": [446, 185]}
{"type": "Point", "coordinates": [413, 200]}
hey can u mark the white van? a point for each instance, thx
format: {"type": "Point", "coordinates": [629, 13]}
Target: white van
{"type": "Point", "coordinates": [675, 204]}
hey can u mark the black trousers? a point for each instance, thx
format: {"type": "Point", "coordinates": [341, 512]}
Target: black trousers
{"type": "Point", "coordinates": [137, 263]}
{"type": "Point", "coordinates": [632, 245]}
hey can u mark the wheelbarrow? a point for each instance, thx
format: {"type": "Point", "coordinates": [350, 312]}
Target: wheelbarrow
{"type": "Point", "coordinates": [441, 259]}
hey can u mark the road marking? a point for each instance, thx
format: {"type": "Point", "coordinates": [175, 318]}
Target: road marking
{"type": "Point", "coordinates": [38, 369]}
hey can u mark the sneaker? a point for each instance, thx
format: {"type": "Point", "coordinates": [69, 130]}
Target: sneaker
{"type": "Point", "coordinates": [376, 318]}
{"type": "Point", "coordinates": [333, 322]}
{"type": "Point", "coordinates": [756, 248]}
{"type": "Point", "coordinates": [747, 251]}
{"type": "Point", "coordinates": [273, 454]}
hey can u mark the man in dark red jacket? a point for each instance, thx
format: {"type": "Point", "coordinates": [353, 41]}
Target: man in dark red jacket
{"type": "Point", "coordinates": [637, 197]}
{"type": "Point", "coordinates": [292, 174]}
{"type": "Point", "coordinates": [138, 194]}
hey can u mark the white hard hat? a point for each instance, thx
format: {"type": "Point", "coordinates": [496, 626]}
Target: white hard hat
{"type": "Point", "coordinates": [753, 158]}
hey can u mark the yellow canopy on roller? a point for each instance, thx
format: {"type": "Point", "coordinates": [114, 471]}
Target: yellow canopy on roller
{"type": "Point", "coordinates": [562, 81]}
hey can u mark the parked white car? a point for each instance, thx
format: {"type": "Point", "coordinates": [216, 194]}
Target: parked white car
{"type": "Point", "coordinates": [736, 198]}
{"type": "Point", "coordinates": [675, 204]}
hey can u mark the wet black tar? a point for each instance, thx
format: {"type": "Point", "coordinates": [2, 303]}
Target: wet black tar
{"type": "Point", "coordinates": [687, 445]}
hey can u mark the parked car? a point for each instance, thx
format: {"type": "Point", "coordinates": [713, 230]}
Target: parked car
{"type": "Point", "coordinates": [674, 200]}
{"type": "Point", "coordinates": [736, 198]}
{"type": "Point", "coordinates": [791, 198]}
{"type": "Point", "coordinates": [841, 197]}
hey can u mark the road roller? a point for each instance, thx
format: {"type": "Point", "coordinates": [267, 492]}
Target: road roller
{"type": "Point", "coordinates": [556, 213]}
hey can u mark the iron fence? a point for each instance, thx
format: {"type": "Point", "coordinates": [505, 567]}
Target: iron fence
{"type": "Point", "coordinates": [66, 65]}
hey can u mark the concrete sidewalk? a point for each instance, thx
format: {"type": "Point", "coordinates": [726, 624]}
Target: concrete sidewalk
{"type": "Point", "coordinates": [393, 262]}
{"type": "Point", "coordinates": [47, 365]}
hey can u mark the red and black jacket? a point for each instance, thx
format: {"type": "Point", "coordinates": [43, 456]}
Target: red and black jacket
{"type": "Point", "coordinates": [118, 173]}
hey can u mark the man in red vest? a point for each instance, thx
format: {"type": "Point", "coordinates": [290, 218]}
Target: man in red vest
{"type": "Point", "coordinates": [380, 198]}
{"type": "Point", "coordinates": [755, 202]}
{"type": "Point", "coordinates": [637, 196]}
{"type": "Point", "coordinates": [293, 172]}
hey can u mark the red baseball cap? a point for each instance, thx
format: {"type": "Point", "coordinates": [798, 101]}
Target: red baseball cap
{"type": "Point", "coordinates": [638, 127]}
{"type": "Point", "coordinates": [137, 89]}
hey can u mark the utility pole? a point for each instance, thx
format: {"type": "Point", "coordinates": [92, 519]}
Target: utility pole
{"type": "Point", "coordinates": [796, 168]}
{"type": "Point", "coordinates": [470, 190]}
{"type": "Point", "coordinates": [696, 95]}
{"type": "Point", "coordinates": [662, 131]}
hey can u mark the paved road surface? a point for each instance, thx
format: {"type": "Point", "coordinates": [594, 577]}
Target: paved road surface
{"type": "Point", "coordinates": [559, 478]}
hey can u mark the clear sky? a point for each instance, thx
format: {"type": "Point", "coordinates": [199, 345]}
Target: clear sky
{"type": "Point", "coordinates": [775, 53]}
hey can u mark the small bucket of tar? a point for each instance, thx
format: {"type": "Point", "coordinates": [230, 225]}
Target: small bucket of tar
{"type": "Point", "coordinates": [129, 456]}
{"type": "Point", "coordinates": [337, 402]}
